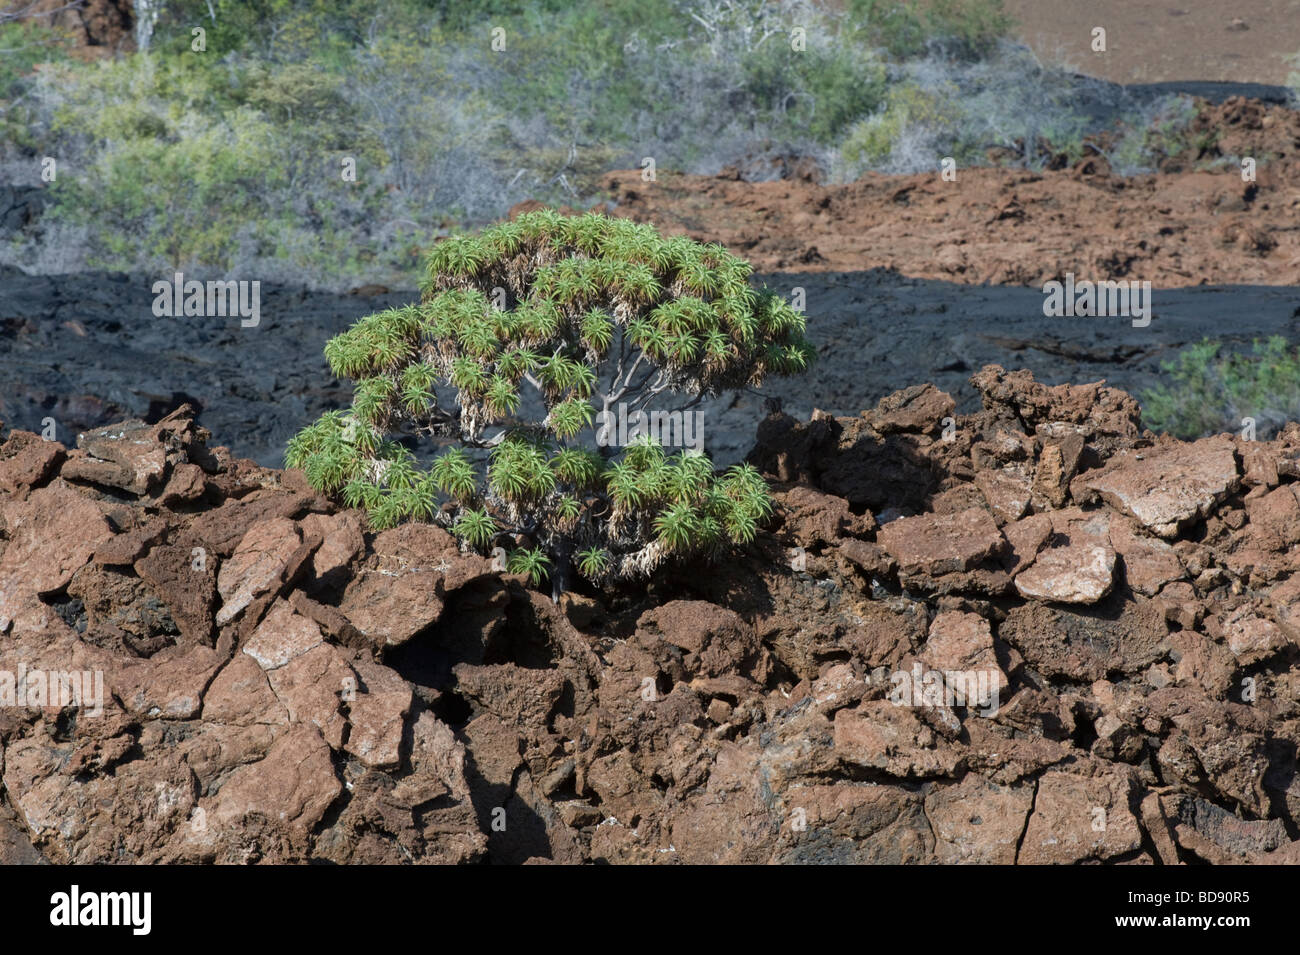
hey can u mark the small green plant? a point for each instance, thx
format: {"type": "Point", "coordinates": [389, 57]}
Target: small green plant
{"type": "Point", "coordinates": [1212, 392]}
{"type": "Point", "coordinates": [565, 319]}
{"type": "Point", "coordinates": [971, 27]}
{"type": "Point", "coordinates": [870, 142]}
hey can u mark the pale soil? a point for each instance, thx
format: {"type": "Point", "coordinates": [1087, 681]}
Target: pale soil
{"type": "Point", "coordinates": [1152, 41]}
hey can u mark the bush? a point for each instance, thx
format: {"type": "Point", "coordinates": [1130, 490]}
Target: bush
{"type": "Point", "coordinates": [971, 28]}
{"type": "Point", "coordinates": [872, 142]}
{"type": "Point", "coordinates": [228, 160]}
{"type": "Point", "coordinates": [568, 316]}
{"type": "Point", "coordinates": [1212, 392]}
{"type": "Point", "coordinates": [1163, 130]}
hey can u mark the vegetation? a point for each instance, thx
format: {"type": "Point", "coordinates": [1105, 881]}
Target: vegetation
{"type": "Point", "coordinates": [971, 28]}
{"type": "Point", "coordinates": [1211, 391]}
{"type": "Point", "coordinates": [565, 315]}
{"type": "Point", "coordinates": [231, 156]}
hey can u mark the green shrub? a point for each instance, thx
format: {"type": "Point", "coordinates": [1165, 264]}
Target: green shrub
{"type": "Point", "coordinates": [571, 316]}
{"type": "Point", "coordinates": [871, 142]}
{"type": "Point", "coordinates": [1211, 391]}
{"type": "Point", "coordinates": [23, 45]}
{"type": "Point", "coordinates": [971, 27]}
{"type": "Point", "coordinates": [1162, 131]}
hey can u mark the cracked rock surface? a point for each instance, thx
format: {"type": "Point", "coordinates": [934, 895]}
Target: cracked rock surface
{"type": "Point", "coordinates": [1042, 635]}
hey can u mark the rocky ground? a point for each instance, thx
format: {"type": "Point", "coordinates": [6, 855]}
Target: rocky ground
{"type": "Point", "coordinates": [283, 684]}
{"type": "Point", "coordinates": [1193, 223]}
{"type": "Point", "coordinates": [79, 352]}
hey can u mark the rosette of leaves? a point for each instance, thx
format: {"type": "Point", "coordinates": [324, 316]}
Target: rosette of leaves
{"type": "Point", "coordinates": [575, 316]}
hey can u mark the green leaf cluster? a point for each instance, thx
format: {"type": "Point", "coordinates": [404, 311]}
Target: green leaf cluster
{"type": "Point", "coordinates": [565, 312]}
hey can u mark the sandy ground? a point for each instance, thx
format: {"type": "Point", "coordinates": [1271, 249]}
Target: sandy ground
{"type": "Point", "coordinates": [1152, 41]}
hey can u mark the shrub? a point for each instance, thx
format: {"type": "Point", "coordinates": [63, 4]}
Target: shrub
{"type": "Point", "coordinates": [970, 27]}
{"type": "Point", "coordinates": [1162, 130]}
{"type": "Point", "coordinates": [564, 316]}
{"type": "Point", "coordinates": [1212, 392]}
{"type": "Point", "coordinates": [871, 142]}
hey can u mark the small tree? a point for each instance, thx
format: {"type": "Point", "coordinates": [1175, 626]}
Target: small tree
{"type": "Point", "coordinates": [568, 316]}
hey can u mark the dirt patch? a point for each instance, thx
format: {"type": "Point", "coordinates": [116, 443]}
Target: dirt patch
{"type": "Point", "coordinates": [1187, 226]}
{"type": "Point", "coordinates": [1246, 41]}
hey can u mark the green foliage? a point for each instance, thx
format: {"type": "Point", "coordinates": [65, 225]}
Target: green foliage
{"type": "Point", "coordinates": [24, 44]}
{"type": "Point", "coordinates": [231, 158]}
{"type": "Point", "coordinates": [1169, 132]}
{"type": "Point", "coordinates": [476, 527]}
{"type": "Point", "coordinates": [1212, 391]}
{"type": "Point", "coordinates": [972, 27]}
{"type": "Point", "coordinates": [605, 311]}
{"type": "Point", "coordinates": [871, 141]}
{"type": "Point", "coordinates": [530, 561]}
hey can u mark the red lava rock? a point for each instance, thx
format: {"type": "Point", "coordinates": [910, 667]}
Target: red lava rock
{"type": "Point", "coordinates": [341, 542]}
{"type": "Point", "coordinates": [281, 636]}
{"type": "Point", "coordinates": [1078, 818]}
{"type": "Point", "coordinates": [938, 545]}
{"type": "Point", "coordinates": [746, 714]}
{"type": "Point", "coordinates": [27, 460]}
{"type": "Point", "coordinates": [1259, 464]}
{"type": "Point", "coordinates": [1200, 662]}
{"type": "Point", "coordinates": [857, 824]}
{"type": "Point", "coordinates": [1275, 519]}
{"type": "Point", "coordinates": [186, 485]}
{"type": "Point", "coordinates": [1249, 634]}
{"type": "Point", "coordinates": [389, 611]}
{"type": "Point", "coordinates": [1057, 465]}
{"type": "Point", "coordinates": [1025, 538]}
{"type": "Point", "coordinates": [220, 530]}
{"type": "Point", "coordinates": [1167, 487]}
{"type": "Point", "coordinates": [821, 519]}
{"type": "Point", "coordinates": [920, 409]}
{"type": "Point", "coordinates": [170, 685]}
{"type": "Point", "coordinates": [294, 784]}
{"type": "Point", "coordinates": [129, 547]}
{"type": "Point", "coordinates": [256, 566]}
{"type": "Point", "coordinates": [1080, 569]}
{"type": "Point", "coordinates": [311, 686]}
{"type": "Point", "coordinates": [1101, 414]}
{"type": "Point", "coordinates": [51, 534]}
{"type": "Point", "coordinates": [1060, 642]}
{"type": "Point", "coordinates": [978, 822]}
{"type": "Point", "coordinates": [716, 640]}
{"type": "Point", "coordinates": [403, 591]}
{"type": "Point", "coordinates": [184, 576]}
{"type": "Point", "coordinates": [1149, 564]}
{"type": "Point", "coordinates": [881, 735]}
{"type": "Point", "coordinates": [512, 693]}
{"type": "Point", "coordinates": [1007, 491]}
{"type": "Point", "coordinates": [241, 695]}
{"type": "Point", "coordinates": [377, 711]}
{"type": "Point", "coordinates": [126, 455]}
{"type": "Point", "coordinates": [962, 641]}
